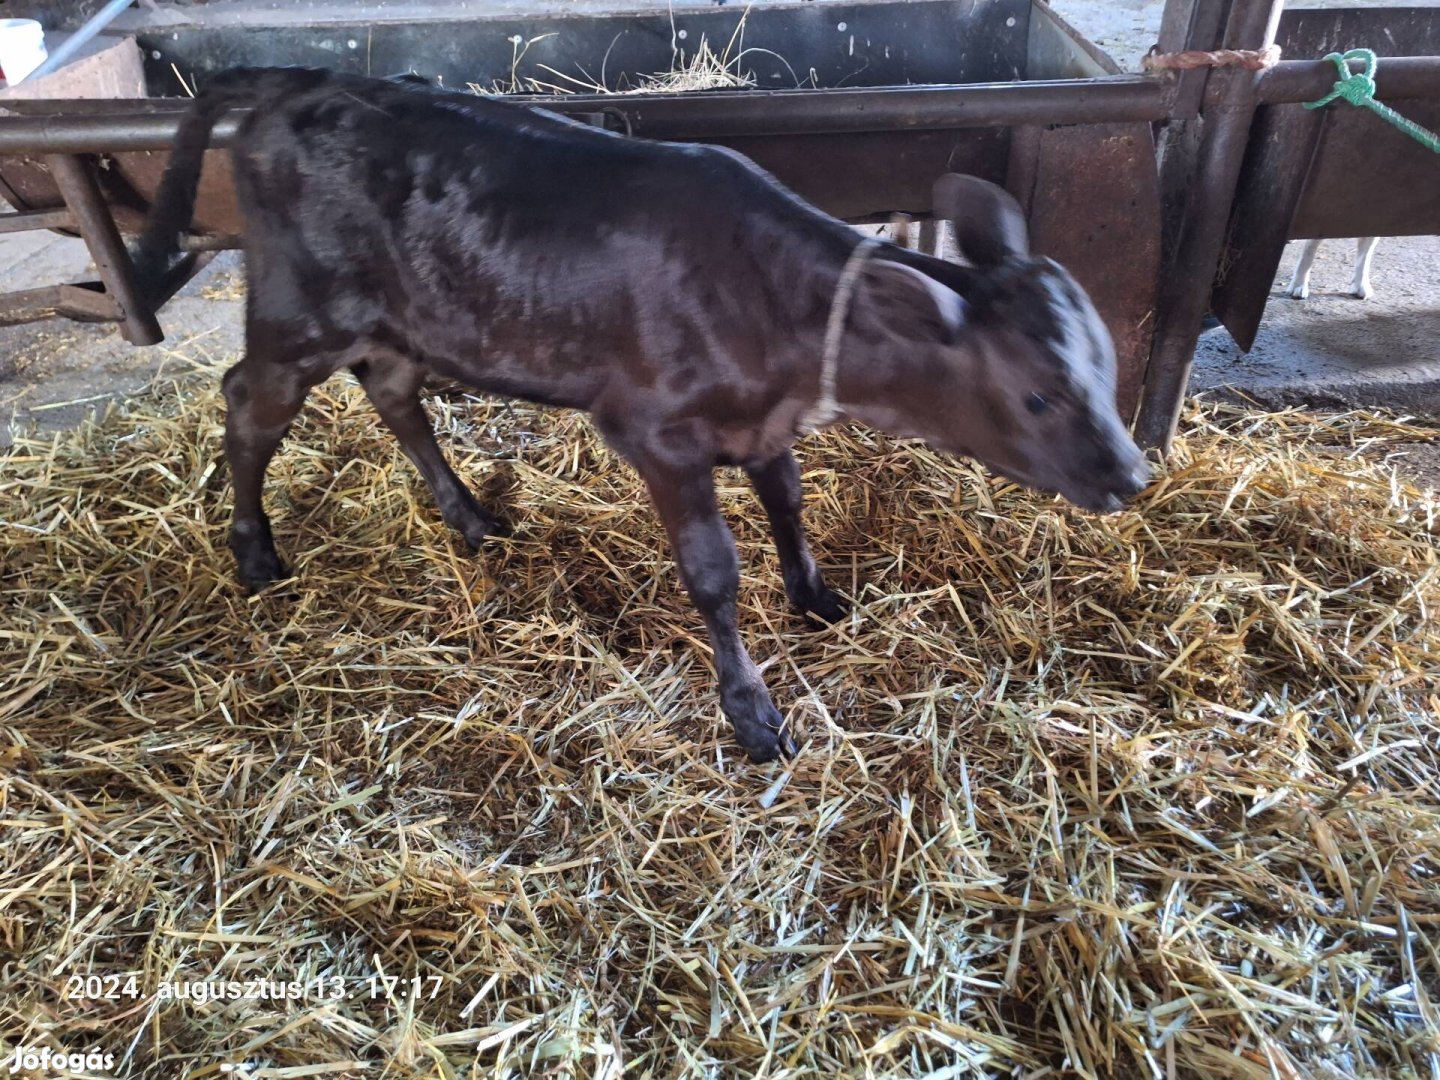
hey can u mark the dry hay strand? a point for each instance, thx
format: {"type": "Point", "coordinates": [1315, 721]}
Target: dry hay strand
{"type": "Point", "coordinates": [230, 287]}
{"type": "Point", "coordinates": [704, 69]}
{"type": "Point", "coordinates": [1147, 795]}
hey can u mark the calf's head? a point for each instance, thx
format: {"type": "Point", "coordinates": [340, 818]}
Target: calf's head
{"type": "Point", "coordinates": [1020, 373]}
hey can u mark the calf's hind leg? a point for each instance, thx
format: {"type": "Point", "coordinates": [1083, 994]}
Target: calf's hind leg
{"type": "Point", "coordinates": [393, 385]}
{"type": "Point", "coordinates": [261, 401]}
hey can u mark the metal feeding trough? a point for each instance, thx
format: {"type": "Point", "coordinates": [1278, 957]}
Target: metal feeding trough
{"type": "Point", "coordinates": [1129, 180]}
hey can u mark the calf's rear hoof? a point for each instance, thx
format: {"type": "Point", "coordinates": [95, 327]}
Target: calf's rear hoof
{"type": "Point", "coordinates": [476, 535]}
{"type": "Point", "coordinates": [776, 744]}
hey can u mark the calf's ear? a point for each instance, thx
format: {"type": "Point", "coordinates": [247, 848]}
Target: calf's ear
{"type": "Point", "coordinates": [911, 304]}
{"type": "Point", "coordinates": [989, 224]}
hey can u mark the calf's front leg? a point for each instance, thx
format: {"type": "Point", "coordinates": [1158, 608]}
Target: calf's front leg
{"type": "Point", "coordinates": [705, 551]}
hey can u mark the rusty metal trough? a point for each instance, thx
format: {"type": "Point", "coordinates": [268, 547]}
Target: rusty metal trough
{"type": "Point", "coordinates": [1167, 195]}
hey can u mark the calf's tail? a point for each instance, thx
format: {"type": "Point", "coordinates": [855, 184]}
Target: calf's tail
{"type": "Point", "coordinates": [174, 205]}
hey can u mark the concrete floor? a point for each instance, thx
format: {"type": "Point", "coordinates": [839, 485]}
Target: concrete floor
{"type": "Point", "coordinates": [1330, 349]}
{"type": "Point", "coordinates": [1333, 349]}
{"type": "Point", "coordinates": [54, 373]}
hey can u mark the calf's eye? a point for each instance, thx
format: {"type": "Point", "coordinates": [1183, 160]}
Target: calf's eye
{"type": "Point", "coordinates": [1036, 404]}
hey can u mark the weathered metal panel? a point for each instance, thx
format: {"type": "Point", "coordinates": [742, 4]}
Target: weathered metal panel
{"type": "Point", "coordinates": [1055, 50]}
{"type": "Point", "coordinates": [864, 177]}
{"type": "Point", "coordinates": [1282, 144]}
{"type": "Point", "coordinates": [1371, 179]}
{"type": "Point", "coordinates": [783, 45]}
{"type": "Point", "coordinates": [1337, 172]}
{"type": "Point", "coordinates": [217, 208]}
{"type": "Point", "coordinates": [1400, 192]}
{"type": "Point", "coordinates": [1310, 33]}
{"type": "Point", "coordinates": [127, 181]}
{"type": "Point", "coordinates": [1092, 195]}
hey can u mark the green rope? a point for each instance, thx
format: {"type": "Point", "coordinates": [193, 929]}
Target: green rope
{"type": "Point", "coordinates": [1358, 88]}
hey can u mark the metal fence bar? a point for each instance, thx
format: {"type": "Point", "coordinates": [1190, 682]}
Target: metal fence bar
{"type": "Point", "coordinates": [28, 220]}
{"type": "Point", "coordinates": [1185, 293]}
{"type": "Point", "coordinates": [76, 180]}
{"type": "Point", "coordinates": [752, 112]}
{"type": "Point", "coordinates": [1306, 80]}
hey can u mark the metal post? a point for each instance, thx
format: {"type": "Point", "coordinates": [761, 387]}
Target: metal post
{"type": "Point", "coordinates": [1186, 24]}
{"type": "Point", "coordinates": [1185, 292]}
{"type": "Point", "coordinates": [76, 181]}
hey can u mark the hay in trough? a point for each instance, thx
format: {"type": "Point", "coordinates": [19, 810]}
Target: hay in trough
{"type": "Point", "coordinates": [701, 68]}
{"type": "Point", "coordinates": [1150, 795]}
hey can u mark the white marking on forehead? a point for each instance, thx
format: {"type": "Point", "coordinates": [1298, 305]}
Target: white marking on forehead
{"type": "Point", "coordinates": [1084, 347]}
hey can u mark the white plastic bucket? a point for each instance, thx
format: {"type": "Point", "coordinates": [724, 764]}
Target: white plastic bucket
{"type": "Point", "coordinates": [22, 48]}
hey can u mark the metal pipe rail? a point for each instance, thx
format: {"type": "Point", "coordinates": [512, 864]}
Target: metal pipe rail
{"type": "Point", "coordinates": [1308, 80]}
{"type": "Point", "coordinates": [715, 115]}
{"type": "Point", "coordinates": [28, 129]}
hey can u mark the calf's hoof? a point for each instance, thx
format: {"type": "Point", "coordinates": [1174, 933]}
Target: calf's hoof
{"type": "Point", "coordinates": [475, 526]}
{"type": "Point", "coordinates": [759, 727]}
{"type": "Point", "coordinates": [809, 596]}
{"type": "Point", "coordinates": [478, 531]}
{"type": "Point", "coordinates": [257, 564]}
{"type": "Point", "coordinates": [259, 570]}
{"type": "Point", "coordinates": [825, 605]}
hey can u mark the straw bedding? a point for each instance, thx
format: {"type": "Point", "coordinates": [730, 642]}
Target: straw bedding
{"type": "Point", "coordinates": [1145, 795]}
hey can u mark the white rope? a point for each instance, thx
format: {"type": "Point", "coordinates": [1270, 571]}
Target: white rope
{"type": "Point", "coordinates": [826, 410]}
